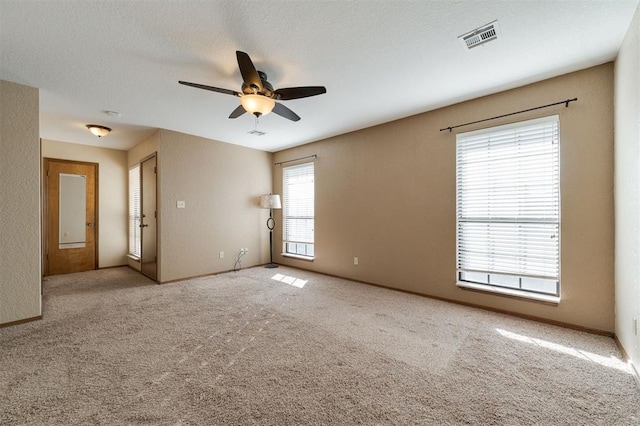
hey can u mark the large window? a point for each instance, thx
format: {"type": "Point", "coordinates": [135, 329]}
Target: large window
{"type": "Point", "coordinates": [508, 208]}
{"type": "Point", "coordinates": [298, 210]}
{"type": "Point", "coordinates": [134, 211]}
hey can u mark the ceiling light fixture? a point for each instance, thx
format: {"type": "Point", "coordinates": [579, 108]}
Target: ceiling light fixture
{"type": "Point", "coordinates": [98, 130]}
{"type": "Point", "coordinates": [257, 104]}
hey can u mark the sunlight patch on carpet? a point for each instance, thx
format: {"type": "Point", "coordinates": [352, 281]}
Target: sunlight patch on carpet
{"type": "Point", "coordinates": [610, 362]}
{"type": "Point", "coordinates": [292, 281]}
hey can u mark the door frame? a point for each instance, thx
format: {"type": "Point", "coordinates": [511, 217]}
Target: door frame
{"type": "Point", "coordinates": [45, 209]}
{"type": "Point", "coordinates": [142, 231]}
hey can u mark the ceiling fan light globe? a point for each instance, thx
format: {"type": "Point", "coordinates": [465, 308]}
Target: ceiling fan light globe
{"type": "Point", "coordinates": [257, 104]}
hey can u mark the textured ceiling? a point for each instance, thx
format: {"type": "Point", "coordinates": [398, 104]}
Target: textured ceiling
{"type": "Point", "coordinates": [380, 60]}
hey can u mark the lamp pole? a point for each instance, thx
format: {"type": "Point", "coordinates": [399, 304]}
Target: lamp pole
{"type": "Point", "coordinates": [271, 223]}
{"type": "Point", "coordinates": [270, 201]}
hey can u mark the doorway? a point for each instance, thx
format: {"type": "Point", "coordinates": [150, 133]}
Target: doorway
{"type": "Point", "coordinates": [148, 222]}
{"type": "Point", "coordinates": [70, 216]}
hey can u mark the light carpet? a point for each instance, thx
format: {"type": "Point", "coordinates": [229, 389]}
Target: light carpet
{"type": "Point", "coordinates": [290, 347]}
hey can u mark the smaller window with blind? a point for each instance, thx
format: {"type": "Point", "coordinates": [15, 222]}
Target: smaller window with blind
{"type": "Point", "coordinates": [298, 210]}
{"type": "Point", "coordinates": [508, 208]}
{"type": "Point", "coordinates": [134, 211]}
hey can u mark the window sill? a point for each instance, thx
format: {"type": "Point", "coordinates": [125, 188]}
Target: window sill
{"type": "Point", "coordinates": [297, 256]}
{"type": "Point", "coordinates": [517, 294]}
{"type": "Point", "coordinates": [133, 257]}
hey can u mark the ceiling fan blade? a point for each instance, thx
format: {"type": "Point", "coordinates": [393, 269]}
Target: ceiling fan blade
{"type": "Point", "coordinates": [211, 88]}
{"type": "Point", "coordinates": [237, 112]}
{"type": "Point", "coordinates": [299, 92]}
{"type": "Point", "coordinates": [248, 71]}
{"type": "Point", "coordinates": [285, 112]}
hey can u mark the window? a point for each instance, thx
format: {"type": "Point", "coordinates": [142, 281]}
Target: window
{"type": "Point", "coordinates": [298, 210]}
{"type": "Point", "coordinates": [134, 211]}
{"type": "Point", "coordinates": [508, 208]}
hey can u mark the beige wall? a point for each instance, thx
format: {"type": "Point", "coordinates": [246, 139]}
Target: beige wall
{"type": "Point", "coordinates": [627, 184]}
{"type": "Point", "coordinates": [20, 272]}
{"type": "Point", "coordinates": [387, 196]}
{"type": "Point", "coordinates": [144, 149]}
{"type": "Point", "coordinates": [220, 184]}
{"type": "Point", "coordinates": [112, 214]}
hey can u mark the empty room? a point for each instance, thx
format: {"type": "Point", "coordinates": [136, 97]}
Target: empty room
{"type": "Point", "coordinates": [318, 212]}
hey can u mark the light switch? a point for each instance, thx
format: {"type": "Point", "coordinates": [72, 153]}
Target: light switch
{"type": "Point", "coordinates": [181, 204]}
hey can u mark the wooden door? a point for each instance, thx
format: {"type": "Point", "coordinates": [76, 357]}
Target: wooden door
{"type": "Point", "coordinates": [71, 221]}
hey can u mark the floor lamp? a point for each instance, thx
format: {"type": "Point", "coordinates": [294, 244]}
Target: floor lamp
{"type": "Point", "coordinates": [269, 201]}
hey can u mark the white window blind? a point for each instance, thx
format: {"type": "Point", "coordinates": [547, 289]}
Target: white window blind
{"type": "Point", "coordinates": [134, 211]}
{"type": "Point", "coordinates": [299, 200]}
{"type": "Point", "coordinates": [508, 206]}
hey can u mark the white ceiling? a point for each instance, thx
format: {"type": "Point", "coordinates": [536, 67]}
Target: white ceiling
{"type": "Point", "coordinates": [379, 60]}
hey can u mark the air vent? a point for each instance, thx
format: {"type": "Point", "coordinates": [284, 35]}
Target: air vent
{"type": "Point", "coordinates": [257, 133]}
{"type": "Point", "coordinates": [480, 36]}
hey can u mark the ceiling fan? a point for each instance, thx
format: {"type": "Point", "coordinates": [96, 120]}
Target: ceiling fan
{"type": "Point", "coordinates": [257, 96]}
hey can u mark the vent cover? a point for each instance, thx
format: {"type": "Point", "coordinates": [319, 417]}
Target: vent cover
{"type": "Point", "coordinates": [480, 36]}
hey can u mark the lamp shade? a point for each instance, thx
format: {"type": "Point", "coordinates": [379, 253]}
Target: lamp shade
{"type": "Point", "coordinates": [257, 104]}
{"type": "Point", "coordinates": [98, 130]}
{"type": "Point", "coordinates": [269, 201]}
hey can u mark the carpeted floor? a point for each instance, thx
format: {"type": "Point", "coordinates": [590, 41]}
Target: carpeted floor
{"type": "Point", "coordinates": [301, 349]}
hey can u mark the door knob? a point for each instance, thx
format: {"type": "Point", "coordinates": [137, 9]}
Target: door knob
{"type": "Point", "coordinates": [90, 225]}
{"type": "Point", "coordinates": [143, 226]}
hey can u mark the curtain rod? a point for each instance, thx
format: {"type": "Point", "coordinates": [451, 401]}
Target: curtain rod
{"type": "Point", "coordinates": [565, 102]}
{"type": "Point", "coordinates": [295, 159]}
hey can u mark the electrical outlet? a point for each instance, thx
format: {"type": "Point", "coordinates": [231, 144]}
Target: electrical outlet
{"type": "Point", "coordinates": [355, 260]}
{"type": "Point", "coordinates": [221, 255]}
{"type": "Point", "coordinates": [181, 204]}
{"type": "Point", "coordinates": [246, 250]}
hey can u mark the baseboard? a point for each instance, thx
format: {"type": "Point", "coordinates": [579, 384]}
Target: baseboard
{"type": "Point", "coordinates": [636, 373]}
{"type": "Point", "coordinates": [22, 321]}
{"type": "Point", "coordinates": [211, 274]}
{"type": "Point", "coordinates": [473, 305]}
{"type": "Point", "coordinates": [625, 355]}
{"type": "Point", "coordinates": [193, 277]}
{"type": "Point", "coordinates": [111, 267]}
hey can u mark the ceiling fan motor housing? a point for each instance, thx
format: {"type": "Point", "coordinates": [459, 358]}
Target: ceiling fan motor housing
{"type": "Point", "coordinates": [253, 89]}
